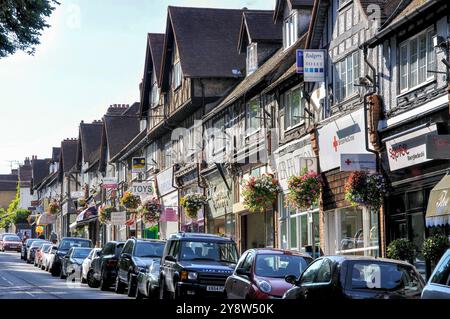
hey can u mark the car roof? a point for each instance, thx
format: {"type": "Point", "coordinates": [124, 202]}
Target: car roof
{"type": "Point", "coordinates": [199, 237]}
{"type": "Point", "coordinates": [115, 242]}
{"type": "Point", "coordinates": [75, 238]}
{"type": "Point", "coordinates": [275, 251]}
{"type": "Point", "coordinates": [81, 248]}
{"type": "Point", "coordinates": [341, 258]}
{"type": "Point", "coordinates": [148, 240]}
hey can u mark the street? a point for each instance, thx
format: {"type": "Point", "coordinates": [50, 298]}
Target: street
{"type": "Point", "coordinates": [19, 280]}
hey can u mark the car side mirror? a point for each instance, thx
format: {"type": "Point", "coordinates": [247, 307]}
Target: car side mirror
{"type": "Point", "coordinates": [291, 279]}
{"type": "Point", "coordinates": [125, 255]}
{"type": "Point", "coordinates": [98, 253]}
{"type": "Point", "coordinates": [170, 258]}
{"type": "Point", "coordinates": [66, 256]}
{"type": "Point", "coordinates": [242, 272]}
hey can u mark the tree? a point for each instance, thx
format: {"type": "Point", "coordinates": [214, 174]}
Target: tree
{"type": "Point", "coordinates": [21, 23]}
{"type": "Point", "coordinates": [8, 216]}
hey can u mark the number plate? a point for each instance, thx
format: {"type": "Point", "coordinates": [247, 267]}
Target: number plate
{"type": "Point", "coordinates": [13, 246]}
{"type": "Point", "coordinates": [215, 288]}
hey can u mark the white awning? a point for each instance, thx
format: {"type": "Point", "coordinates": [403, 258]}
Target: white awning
{"type": "Point", "coordinates": [73, 225]}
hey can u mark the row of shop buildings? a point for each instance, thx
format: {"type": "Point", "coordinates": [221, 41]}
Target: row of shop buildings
{"type": "Point", "coordinates": [222, 100]}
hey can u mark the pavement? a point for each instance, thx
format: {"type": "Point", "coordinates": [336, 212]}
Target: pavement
{"type": "Point", "coordinates": [19, 280]}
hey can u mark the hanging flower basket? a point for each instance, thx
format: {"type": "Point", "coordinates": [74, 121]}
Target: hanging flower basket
{"type": "Point", "coordinates": [53, 207]}
{"type": "Point", "coordinates": [366, 190]}
{"type": "Point", "coordinates": [81, 202]}
{"type": "Point", "coordinates": [104, 213]}
{"type": "Point", "coordinates": [260, 192]}
{"type": "Point", "coordinates": [304, 190]}
{"type": "Point", "coordinates": [192, 204]}
{"type": "Point", "coordinates": [130, 201]}
{"type": "Point", "coordinates": [151, 210]}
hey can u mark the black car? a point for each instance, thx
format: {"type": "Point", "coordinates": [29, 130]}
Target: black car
{"type": "Point", "coordinates": [148, 282]}
{"type": "Point", "coordinates": [72, 261]}
{"type": "Point", "coordinates": [352, 277]}
{"type": "Point", "coordinates": [64, 246]}
{"type": "Point", "coordinates": [136, 256]}
{"type": "Point", "coordinates": [195, 265]}
{"type": "Point", "coordinates": [103, 270]}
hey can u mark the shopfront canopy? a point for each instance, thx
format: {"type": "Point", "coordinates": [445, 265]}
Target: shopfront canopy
{"type": "Point", "coordinates": [45, 219]}
{"type": "Point", "coordinates": [87, 214]}
{"type": "Point", "coordinates": [438, 211]}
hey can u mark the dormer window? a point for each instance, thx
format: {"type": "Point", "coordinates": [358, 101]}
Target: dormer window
{"type": "Point", "coordinates": [290, 30]}
{"type": "Point", "coordinates": [155, 95]}
{"type": "Point", "coordinates": [176, 76]}
{"type": "Point", "coordinates": [252, 58]}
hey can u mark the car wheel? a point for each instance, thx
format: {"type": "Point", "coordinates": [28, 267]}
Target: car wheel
{"type": "Point", "coordinates": [92, 282]}
{"type": "Point", "coordinates": [132, 286]}
{"type": "Point", "coordinates": [104, 285]}
{"type": "Point", "coordinates": [55, 270]}
{"type": "Point", "coordinates": [120, 287]}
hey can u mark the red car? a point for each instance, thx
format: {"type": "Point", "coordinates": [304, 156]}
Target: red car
{"type": "Point", "coordinates": [260, 273]}
{"type": "Point", "coordinates": [11, 242]}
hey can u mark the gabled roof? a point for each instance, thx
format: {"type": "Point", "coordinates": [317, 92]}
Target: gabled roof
{"type": "Point", "coordinates": [40, 170]}
{"type": "Point", "coordinates": [293, 4]}
{"type": "Point", "coordinates": [133, 110]}
{"type": "Point", "coordinates": [68, 157]}
{"type": "Point", "coordinates": [206, 40]}
{"type": "Point", "coordinates": [119, 131]}
{"type": "Point", "coordinates": [89, 141]}
{"type": "Point", "coordinates": [153, 58]}
{"type": "Point", "coordinates": [258, 26]}
{"type": "Point", "coordinates": [56, 152]}
{"type": "Point", "coordinates": [25, 174]}
{"type": "Point", "coordinates": [8, 182]}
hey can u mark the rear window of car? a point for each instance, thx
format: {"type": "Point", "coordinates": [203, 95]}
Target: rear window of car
{"type": "Point", "coordinates": [11, 238]}
{"type": "Point", "coordinates": [385, 277]}
{"type": "Point", "coordinates": [442, 274]}
{"type": "Point", "coordinates": [279, 266]}
{"type": "Point", "coordinates": [149, 249]}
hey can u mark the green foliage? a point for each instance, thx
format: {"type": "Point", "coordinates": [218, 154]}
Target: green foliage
{"type": "Point", "coordinates": [21, 24]}
{"type": "Point", "coordinates": [434, 247]}
{"type": "Point", "coordinates": [20, 216]}
{"type": "Point", "coordinates": [401, 249]}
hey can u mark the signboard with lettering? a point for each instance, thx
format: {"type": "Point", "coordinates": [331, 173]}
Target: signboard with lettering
{"type": "Point", "coordinates": [169, 215]}
{"type": "Point", "coordinates": [438, 147]}
{"type": "Point", "coordinates": [345, 135]}
{"type": "Point", "coordinates": [409, 149]}
{"type": "Point", "coordinates": [118, 218]}
{"type": "Point", "coordinates": [165, 182]}
{"type": "Point", "coordinates": [311, 63]}
{"type": "Point", "coordinates": [358, 162]}
{"type": "Point", "coordinates": [138, 165]}
{"type": "Point", "coordinates": [109, 183]}
{"type": "Point", "coordinates": [142, 188]}
{"type": "Point", "coordinates": [219, 202]}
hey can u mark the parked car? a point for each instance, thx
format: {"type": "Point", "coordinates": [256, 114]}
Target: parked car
{"type": "Point", "coordinates": [103, 269]}
{"type": "Point", "coordinates": [63, 247]}
{"type": "Point", "coordinates": [87, 263]}
{"type": "Point", "coordinates": [72, 261]}
{"type": "Point", "coordinates": [438, 286]}
{"type": "Point", "coordinates": [195, 265]}
{"type": "Point", "coordinates": [6, 234]}
{"type": "Point", "coordinates": [10, 242]}
{"type": "Point", "coordinates": [31, 252]}
{"type": "Point", "coordinates": [25, 247]}
{"type": "Point", "coordinates": [260, 273]}
{"type": "Point", "coordinates": [49, 255]}
{"type": "Point", "coordinates": [148, 281]}
{"type": "Point", "coordinates": [40, 254]}
{"type": "Point", "coordinates": [353, 277]}
{"type": "Point", "coordinates": [136, 256]}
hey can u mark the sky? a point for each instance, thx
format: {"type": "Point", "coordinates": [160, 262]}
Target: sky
{"type": "Point", "coordinates": [92, 56]}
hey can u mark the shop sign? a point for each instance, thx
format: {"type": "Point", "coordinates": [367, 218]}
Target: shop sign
{"type": "Point", "coordinates": [118, 218]}
{"type": "Point", "coordinates": [438, 147]}
{"type": "Point", "coordinates": [169, 215]}
{"type": "Point", "coordinates": [142, 188]}
{"type": "Point", "coordinates": [220, 200]}
{"type": "Point", "coordinates": [345, 135]}
{"type": "Point", "coordinates": [292, 159]}
{"type": "Point", "coordinates": [77, 195]}
{"type": "Point", "coordinates": [109, 183]}
{"type": "Point", "coordinates": [358, 162]}
{"type": "Point", "coordinates": [409, 149]}
{"type": "Point", "coordinates": [165, 182]}
{"type": "Point", "coordinates": [138, 165]}
{"type": "Point", "coordinates": [311, 63]}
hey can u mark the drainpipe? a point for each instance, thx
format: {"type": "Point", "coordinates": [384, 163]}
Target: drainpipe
{"type": "Point", "coordinates": [372, 91]}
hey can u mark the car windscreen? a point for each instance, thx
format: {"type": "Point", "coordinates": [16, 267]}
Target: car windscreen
{"type": "Point", "coordinates": [81, 253]}
{"type": "Point", "coordinates": [67, 244]}
{"type": "Point", "coordinates": [149, 249]}
{"type": "Point", "coordinates": [38, 244]}
{"type": "Point", "coordinates": [385, 277]}
{"type": "Point", "coordinates": [46, 248]}
{"type": "Point", "coordinates": [11, 238]}
{"type": "Point", "coordinates": [119, 248]}
{"type": "Point", "coordinates": [208, 251]}
{"type": "Point", "coordinates": [279, 266]}
{"type": "Point", "coordinates": [29, 242]}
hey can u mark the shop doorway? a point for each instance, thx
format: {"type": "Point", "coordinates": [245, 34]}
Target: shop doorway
{"type": "Point", "coordinates": [257, 230]}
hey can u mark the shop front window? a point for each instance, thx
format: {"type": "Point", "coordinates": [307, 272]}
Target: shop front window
{"type": "Point", "coordinates": [230, 227]}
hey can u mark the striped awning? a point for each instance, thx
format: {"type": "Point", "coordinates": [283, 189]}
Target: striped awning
{"type": "Point", "coordinates": [438, 210]}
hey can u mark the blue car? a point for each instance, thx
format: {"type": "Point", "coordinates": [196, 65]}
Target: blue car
{"type": "Point", "coordinates": [438, 287]}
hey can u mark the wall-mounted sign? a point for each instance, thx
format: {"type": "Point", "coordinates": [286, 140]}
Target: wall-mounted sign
{"type": "Point", "coordinates": [311, 63]}
{"type": "Point", "coordinates": [219, 202]}
{"type": "Point", "coordinates": [358, 162]}
{"type": "Point", "coordinates": [344, 135]}
{"type": "Point", "coordinates": [142, 188]}
{"type": "Point", "coordinates": [138, 165]}
{"type": "Point", "coordinates": [165, 182]}
{"type": "Point", "coordinates": [409, 149]}
{"type": "Point", "coordinates": [118, 218]}
{"type": "Point", "coordinates": [438, 146]}
{"type": "Point", "coordinates": [169, 215]}
{"type": "Point", "coordinates": [109, 183]}
{"type": "Point", "coordinates": [76, 195]}
{"type": "Point", "coordinates": [292, 159]}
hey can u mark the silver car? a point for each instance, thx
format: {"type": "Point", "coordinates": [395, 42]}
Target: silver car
{"type": "Point", "coordinates": [438, 287]}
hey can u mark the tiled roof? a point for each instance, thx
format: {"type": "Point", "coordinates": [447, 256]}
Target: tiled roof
{"type": "Point", "coordinates": [120, 130]}
{"type": "Point", "coordinates": [25, 175]}
{"type": "Point", "coordinates": [56, 152]}
{"type": "Point", "coordinates": [206, 40]}
{"type": "Point", "coordinates": [68, 154]}
{"type": "Point", "coordinates": [409, 7]}
{"type": "Point", "coordinates": [156, 44]}
{"type": "Point", "coordinates": [294, 4]}
{"type": "Point", "coordinates": [260, 26]}
{"type": "Point", "coordinates": [90, 138]}
{"type": "Point", "coordinates": [8, 182]}
{"type": "Point", "coordinates": [40, 170]}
